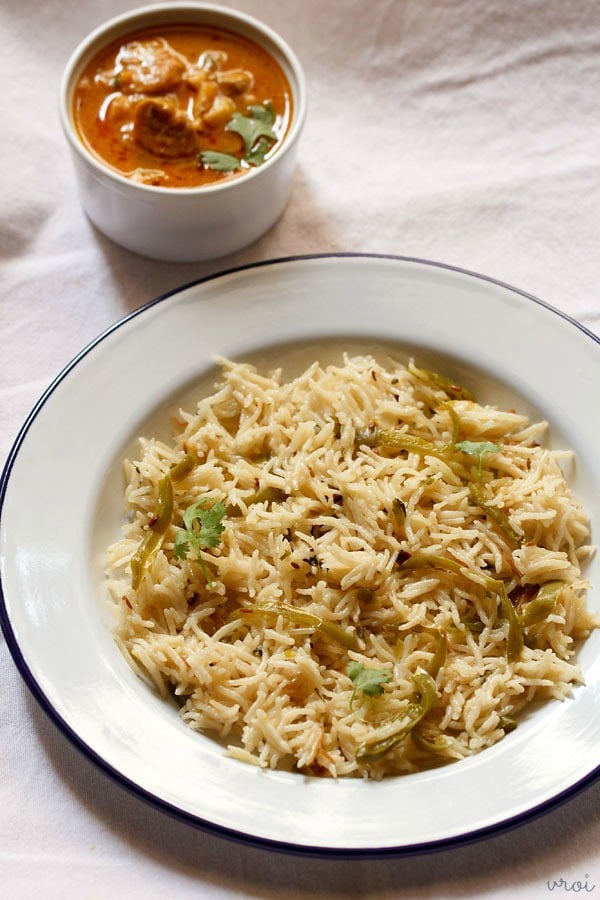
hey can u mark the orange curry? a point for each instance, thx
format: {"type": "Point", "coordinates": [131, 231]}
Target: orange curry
{"type": "Point", "coordinates": [182, 106]}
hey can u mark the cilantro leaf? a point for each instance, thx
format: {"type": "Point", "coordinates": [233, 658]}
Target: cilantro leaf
{"type": "Point", "coordinates": [204, 526]}
{"type": "Point", "coordinates": [257, 126]}
{"type": "Point", "coordinates": [478, 448]}
{"type": "Point", "coordinates": [257, 156]}
{"type": "Point", "coordinates": [202, 530]}
{"type": "Point", "coordinates": [369, 681]}
{"type": "Point", "coordinates": [181, 547]}
{"type": "Point", "coordinates": [256, 131]}
{"type": "Point", "coordinates": [263, 112]}
{"type": "Point", "coordinates": [220, 162]}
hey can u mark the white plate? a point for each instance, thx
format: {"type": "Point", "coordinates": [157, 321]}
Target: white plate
{"type": "Point", "coordinates": [61, 495]}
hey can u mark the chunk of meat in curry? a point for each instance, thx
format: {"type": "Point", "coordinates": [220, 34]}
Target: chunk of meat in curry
{"type": "Point", "coordinates": [163, 129]}
{"type": "Point", "coordinates": [149, 67]}
{"type": "Point", "coordinates": [160, 124]}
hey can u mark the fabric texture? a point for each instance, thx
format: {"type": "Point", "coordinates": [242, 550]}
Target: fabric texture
{"type": "Point", "coordinates": [461, 131]}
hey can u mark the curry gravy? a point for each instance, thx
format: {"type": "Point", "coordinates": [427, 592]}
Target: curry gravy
{"type": "Point", "coordinates": [152, 103]}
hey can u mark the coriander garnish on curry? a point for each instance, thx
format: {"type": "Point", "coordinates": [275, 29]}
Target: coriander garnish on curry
{"type": "Point", "coordinates": [182, 106]}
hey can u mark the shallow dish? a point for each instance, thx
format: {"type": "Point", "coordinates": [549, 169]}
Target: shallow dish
{"type": "Point", "coordinates": [54, 609]}
{"type": "Point", "coordinates": [185, 224]}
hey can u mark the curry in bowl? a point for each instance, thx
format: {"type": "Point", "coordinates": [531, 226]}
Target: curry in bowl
{"type": "Point", "coordinates": [182, 106]}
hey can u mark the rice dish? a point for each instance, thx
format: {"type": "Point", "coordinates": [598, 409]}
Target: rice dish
{"type": "Point", "coordinates": [359, 572]}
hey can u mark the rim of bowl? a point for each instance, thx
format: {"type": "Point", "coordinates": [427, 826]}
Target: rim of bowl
{"type": "Point", "coordinates": [171, 13]}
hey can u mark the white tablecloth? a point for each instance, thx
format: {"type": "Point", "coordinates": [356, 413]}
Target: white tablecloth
{"type": "Point", "coordinates": [463, 131]}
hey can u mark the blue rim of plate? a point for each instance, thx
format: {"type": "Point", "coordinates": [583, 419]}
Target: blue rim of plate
{"type": "Point", "coordinates": [147, 797]}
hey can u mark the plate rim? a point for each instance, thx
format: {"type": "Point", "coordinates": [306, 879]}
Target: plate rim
{"type": "Point", "coordinates": [137, 790]}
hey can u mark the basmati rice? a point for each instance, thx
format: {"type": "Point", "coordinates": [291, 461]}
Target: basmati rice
{"type": "Point", "coordinates": [325, 521]}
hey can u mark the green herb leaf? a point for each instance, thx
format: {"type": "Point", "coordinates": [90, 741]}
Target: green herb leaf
{"type": "Point", "coordinates": [181, 547]}
{"type": "Point", "coordinates": [369, 681]}
{"type": "Point", "coordinates": [220, 162]}
{"type": "Point", "coordinates": [202, 531]}
{"type": "Point", "coordinates": [257, 156]}
{"type": "Point", "coordinates": [259, 124]}
{"type": "Point", "coordinates": [478, 449]}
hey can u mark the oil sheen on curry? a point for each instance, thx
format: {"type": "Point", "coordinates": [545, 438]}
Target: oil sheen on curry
{"type": "Point", "coordinates": [183, 106]}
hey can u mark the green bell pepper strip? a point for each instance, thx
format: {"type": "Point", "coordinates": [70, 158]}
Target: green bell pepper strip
{"type": "Point", "coordinates": [398, 514]}
{"type": "Point", "coordinates": [515, 640]}
{"type": "Point", "coordinates": [421, 560]}
{"type": "Point", "coordinates": [374, 748]}
{"type": "Point", "coordinates": [538, 609]}
{"type": "Point", "coordinates": [472, 624]}
{"type": "Point", "coordinates": [432, 561]}
{"type": "Point", "coordinates": [440, 643]}
{"type": "Point", "coordinates": [183, 468]}
{"type": "Point", "coordinates": [399, 440]}
{"type": "Point", "coordinates": [426, 745]}
{"type": "Point", "coordinates": [396, 441]}
{"type": "Point", "coordinates": [162, 518]}
{"type": "Point", "coordinates": [440, 652]}
{"type": "Point", "coordinates": [266, 495]}
{"type": "Point", "coordinates": [496, 515]}
{"type": "Point", "coordinates": [456, 426]}
{"type": "Point", "coordinates": [446, 384]}
{"type": "Point", "coordinates": [299, 617]}
{"type": "Point", "coordinates": [163, 515]}
{"type": "Point", "coordinates": [148, 547]}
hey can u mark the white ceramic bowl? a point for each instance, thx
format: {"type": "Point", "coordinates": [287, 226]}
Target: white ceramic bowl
{"type": "Point", "coordinates": [185, 224]}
